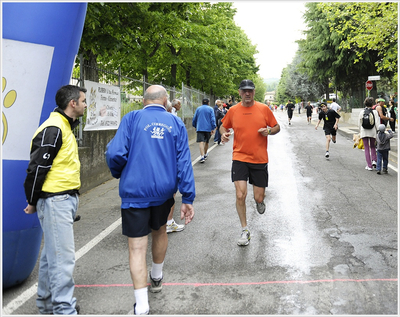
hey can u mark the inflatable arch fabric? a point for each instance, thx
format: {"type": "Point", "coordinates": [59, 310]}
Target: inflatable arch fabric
{"type": "Point", "coordinates": [39, 45]}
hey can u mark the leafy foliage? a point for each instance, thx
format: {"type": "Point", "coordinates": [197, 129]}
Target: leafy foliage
{"type": "Point", "coordinates": [170, 42]}
{"type": "Point", "coordinates": [345, 43]}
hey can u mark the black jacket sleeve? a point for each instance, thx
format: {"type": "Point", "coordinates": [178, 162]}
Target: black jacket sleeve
{"type": "Point", "coordinates": [45, 147]}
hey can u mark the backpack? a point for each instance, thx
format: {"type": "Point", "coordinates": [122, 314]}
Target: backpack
{"type": "Point", "coordinates": [368, 119]}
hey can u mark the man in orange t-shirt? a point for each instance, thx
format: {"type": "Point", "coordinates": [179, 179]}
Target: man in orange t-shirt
{"type": "Point", "coordinates": [252, 122]}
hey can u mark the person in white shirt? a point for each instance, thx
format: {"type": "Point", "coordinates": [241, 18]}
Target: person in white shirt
{"type": "Point", "coordinates": [335, 106]}
{"type": "Point", "coordinates": [176, 106]}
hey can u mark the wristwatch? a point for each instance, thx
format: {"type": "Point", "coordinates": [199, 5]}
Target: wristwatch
{"type": "Point", "coordinates": [269, 131]}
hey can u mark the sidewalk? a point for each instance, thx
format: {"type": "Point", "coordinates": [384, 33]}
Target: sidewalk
{"type": "Point", "coordinates": [348, 130]}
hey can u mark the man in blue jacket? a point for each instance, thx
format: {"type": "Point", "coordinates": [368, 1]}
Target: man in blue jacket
{"type": "Point", "coordinates": [146, 143]}
{"type": "Point", "coordinates": [204, 122]}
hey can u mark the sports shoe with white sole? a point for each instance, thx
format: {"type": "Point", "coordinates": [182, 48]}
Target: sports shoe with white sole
{"type": "Point", "coordinates": [133, 311]}
{"type": "Point", "coordinates": [174, 227]}
{"type": "Point", "coordinates": [244, 238]}
{"type": "Point", "coordinates": [155, 285]}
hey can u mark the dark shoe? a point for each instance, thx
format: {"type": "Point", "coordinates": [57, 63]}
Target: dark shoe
{"type": "Point", "coordinates": [378, 172]}
{"type": "Point", "coordinates": [77, 218]}
{"type": "Point", "coordinates": [384, 171]}
{"type": "Point", "coordinates": [155, 285]}
{"type": "Point", "coordinates": [260, 207]}
{"type": "Point", "coordinates": [77, 308]}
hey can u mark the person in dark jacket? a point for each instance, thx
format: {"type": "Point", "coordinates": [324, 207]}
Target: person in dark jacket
{"type": "Point", "coordinates": [51, 189]}
{"type": "Point", "coordinates": [204, 122]}
{"type": "Point", "coordinates": [219, 115]}
{"type": "Point", "coordinates": [150, 154]}
{"type": "Point", "coordinates": [383, 148]}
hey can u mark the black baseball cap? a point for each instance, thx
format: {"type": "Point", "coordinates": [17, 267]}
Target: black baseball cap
{"type": "Point", "coordinates": [246, 84]}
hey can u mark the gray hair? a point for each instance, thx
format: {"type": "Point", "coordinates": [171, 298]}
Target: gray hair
{"type": "Point", "coordinates": [169, 106]}
{"type": "Point", "coordinates": [175, 102]}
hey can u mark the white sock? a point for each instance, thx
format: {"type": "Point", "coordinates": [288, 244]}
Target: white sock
{"type": "Point", "coordinates": [170, 222]}
{"type": "Point", "coordinates": [245, 228]}
{"type": "Point", "coordinates": [142, 301]}
{"type": "Point", "coordinates": [156, 270]}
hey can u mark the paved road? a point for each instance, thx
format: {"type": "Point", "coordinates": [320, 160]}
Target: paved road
{"type": "Point", "coordinates": [327, 243]}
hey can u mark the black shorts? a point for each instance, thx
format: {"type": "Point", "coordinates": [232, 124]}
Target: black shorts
{"type": "Point", "coordinates": [290, 114]}
{"type": "Point", "coordinates": [138, 222]}
{"type": "Point", "coordinates": [257, 174]}
{"type": "Point", "coordinates": [203, 136]}
{"type": "Point", "coordinates": [330, 131]}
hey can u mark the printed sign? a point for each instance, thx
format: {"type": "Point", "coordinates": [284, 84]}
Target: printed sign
{"type": "Point", "coordinates": [26, 68]}
{"type": "Point", "coordinates": [103, 106]}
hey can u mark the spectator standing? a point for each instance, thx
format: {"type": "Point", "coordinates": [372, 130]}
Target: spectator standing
{"type": "Point", "coordinates": [176, 106]}
{"type": "Point", "coordinates": [52, 188]}
{"type": "Point", "coordinates": [383, 148]}
{"type": "Point", "coordinates": [205, 124]}
{"type": "Point", "coordinates": [290, 108]}
{"type": "Point", "coordinates": [331, 120]}
{"type": "Point", "coordinates": [146, 197]}
{"type": "Point", "coordinates": [382, 111]}
{"type": "Point", "coordinates": [393, 114]}
{"type": "Point", "coordinates": [301, 105]}
{"type": "Point", "coordinates": [216, 106]}
{"type": "Point", "coordinates": [309, 110]}
{"type": "Point", "coordinates": [169, 108]}
{"type": "Point", "coordinates": [368, 134]}
{"type": "Point", "coordinates": [220, 114]}
{"type": "Point", "coordinates": [252, 123]}
{"type": "Point", "coordinates": [335, 106]}
{"type": "Point", "coordinates": [229, 104]}
{"type": "Point", "coordinates": [172, 226]}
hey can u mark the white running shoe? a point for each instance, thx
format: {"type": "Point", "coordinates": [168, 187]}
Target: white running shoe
{"type": "Point", "coordinates": [174, 227]}
{"type": "Point", "coordinates": [244, 238]}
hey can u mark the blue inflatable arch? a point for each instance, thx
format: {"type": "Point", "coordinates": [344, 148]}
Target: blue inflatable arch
{"type": "Point", "coordinates": [39, 45]}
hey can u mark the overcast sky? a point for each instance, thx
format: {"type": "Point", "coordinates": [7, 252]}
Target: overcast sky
{"type": "Point", "coordinates": [273, 26]}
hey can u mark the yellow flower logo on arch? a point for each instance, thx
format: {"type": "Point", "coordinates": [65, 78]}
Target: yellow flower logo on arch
{"type": "Point", "coordinates": [8, 101]}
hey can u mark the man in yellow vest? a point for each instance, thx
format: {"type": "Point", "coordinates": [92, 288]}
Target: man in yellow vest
{"type": "Point", "coordinates": [51, 189]}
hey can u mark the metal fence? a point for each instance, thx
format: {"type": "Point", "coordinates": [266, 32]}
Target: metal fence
{"type": "Point", "coordinates": [132, 94]}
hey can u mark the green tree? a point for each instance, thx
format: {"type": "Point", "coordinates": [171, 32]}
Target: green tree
{"type": "Point", "coordinates": [335, 51]}
{"type": "Point", "coordinates": [197, 43]}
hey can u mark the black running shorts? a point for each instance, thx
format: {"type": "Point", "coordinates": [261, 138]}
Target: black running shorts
{"type": "Point", "coordinates": [203, 136]}
{"type": "Point", "coordinates": [138, 222]}
{"type": "Point", "coordinates": [330, 131]}
{"type": "Point", "coordinates": [257, 174]}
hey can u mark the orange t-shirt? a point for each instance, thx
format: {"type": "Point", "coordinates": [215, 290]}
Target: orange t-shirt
{"type": "Point", "coordinates": [248, 144]}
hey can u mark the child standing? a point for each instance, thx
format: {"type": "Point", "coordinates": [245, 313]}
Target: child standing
{"type": "Point", "coordinates": [383, 148]}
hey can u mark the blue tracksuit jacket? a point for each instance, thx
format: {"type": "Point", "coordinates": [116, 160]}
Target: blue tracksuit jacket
{"type": "Point", "coordinates": [150, 153]}
{"type": "Point", "coordinates": [204, 119]}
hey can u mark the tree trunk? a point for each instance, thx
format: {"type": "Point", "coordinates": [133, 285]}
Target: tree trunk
{"type": "Point", "coordinates": [187, 73]}
{"type": "Point", "coordinates": [90, 70]}
{"type": "Point", "coordinates": [173, 75]}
